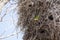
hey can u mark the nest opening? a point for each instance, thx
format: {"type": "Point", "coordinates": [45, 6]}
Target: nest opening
{"type": "Point", "coordinates": [50, 17]}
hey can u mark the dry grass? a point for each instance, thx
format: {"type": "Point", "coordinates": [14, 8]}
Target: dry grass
{"type": "Point", "coordinates": [45, 27]}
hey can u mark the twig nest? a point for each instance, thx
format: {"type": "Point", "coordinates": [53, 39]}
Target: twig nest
{"type": "Point", "coordinates": [38, 18]}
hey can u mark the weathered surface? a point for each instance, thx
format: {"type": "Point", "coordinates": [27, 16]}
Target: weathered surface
{"type": "Point", "coordinates": [47, 24]}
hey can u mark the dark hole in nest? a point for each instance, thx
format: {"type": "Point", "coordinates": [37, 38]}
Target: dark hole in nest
{"type": "Point", "coordinates": [30, 5]}
{"type": "Point", "coordinates": [39, 23]}
{"type": "Point", "coordinates": [50, 17]}
{"type": "Point", "coordinates": [42, 31]}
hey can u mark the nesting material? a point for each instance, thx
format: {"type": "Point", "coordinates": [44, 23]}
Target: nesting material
{"type": "Point", "coordinates": [40, 19]}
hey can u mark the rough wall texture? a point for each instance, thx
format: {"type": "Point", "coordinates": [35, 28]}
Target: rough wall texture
{"type": "Point", "coordinates": [40, 19]}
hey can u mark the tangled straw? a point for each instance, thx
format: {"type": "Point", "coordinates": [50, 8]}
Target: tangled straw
{"type": "Point", "coordinates": [46, 25]}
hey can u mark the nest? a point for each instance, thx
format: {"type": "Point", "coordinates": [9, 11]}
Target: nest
{"type": "Point", "coordinates": [39, 22]}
